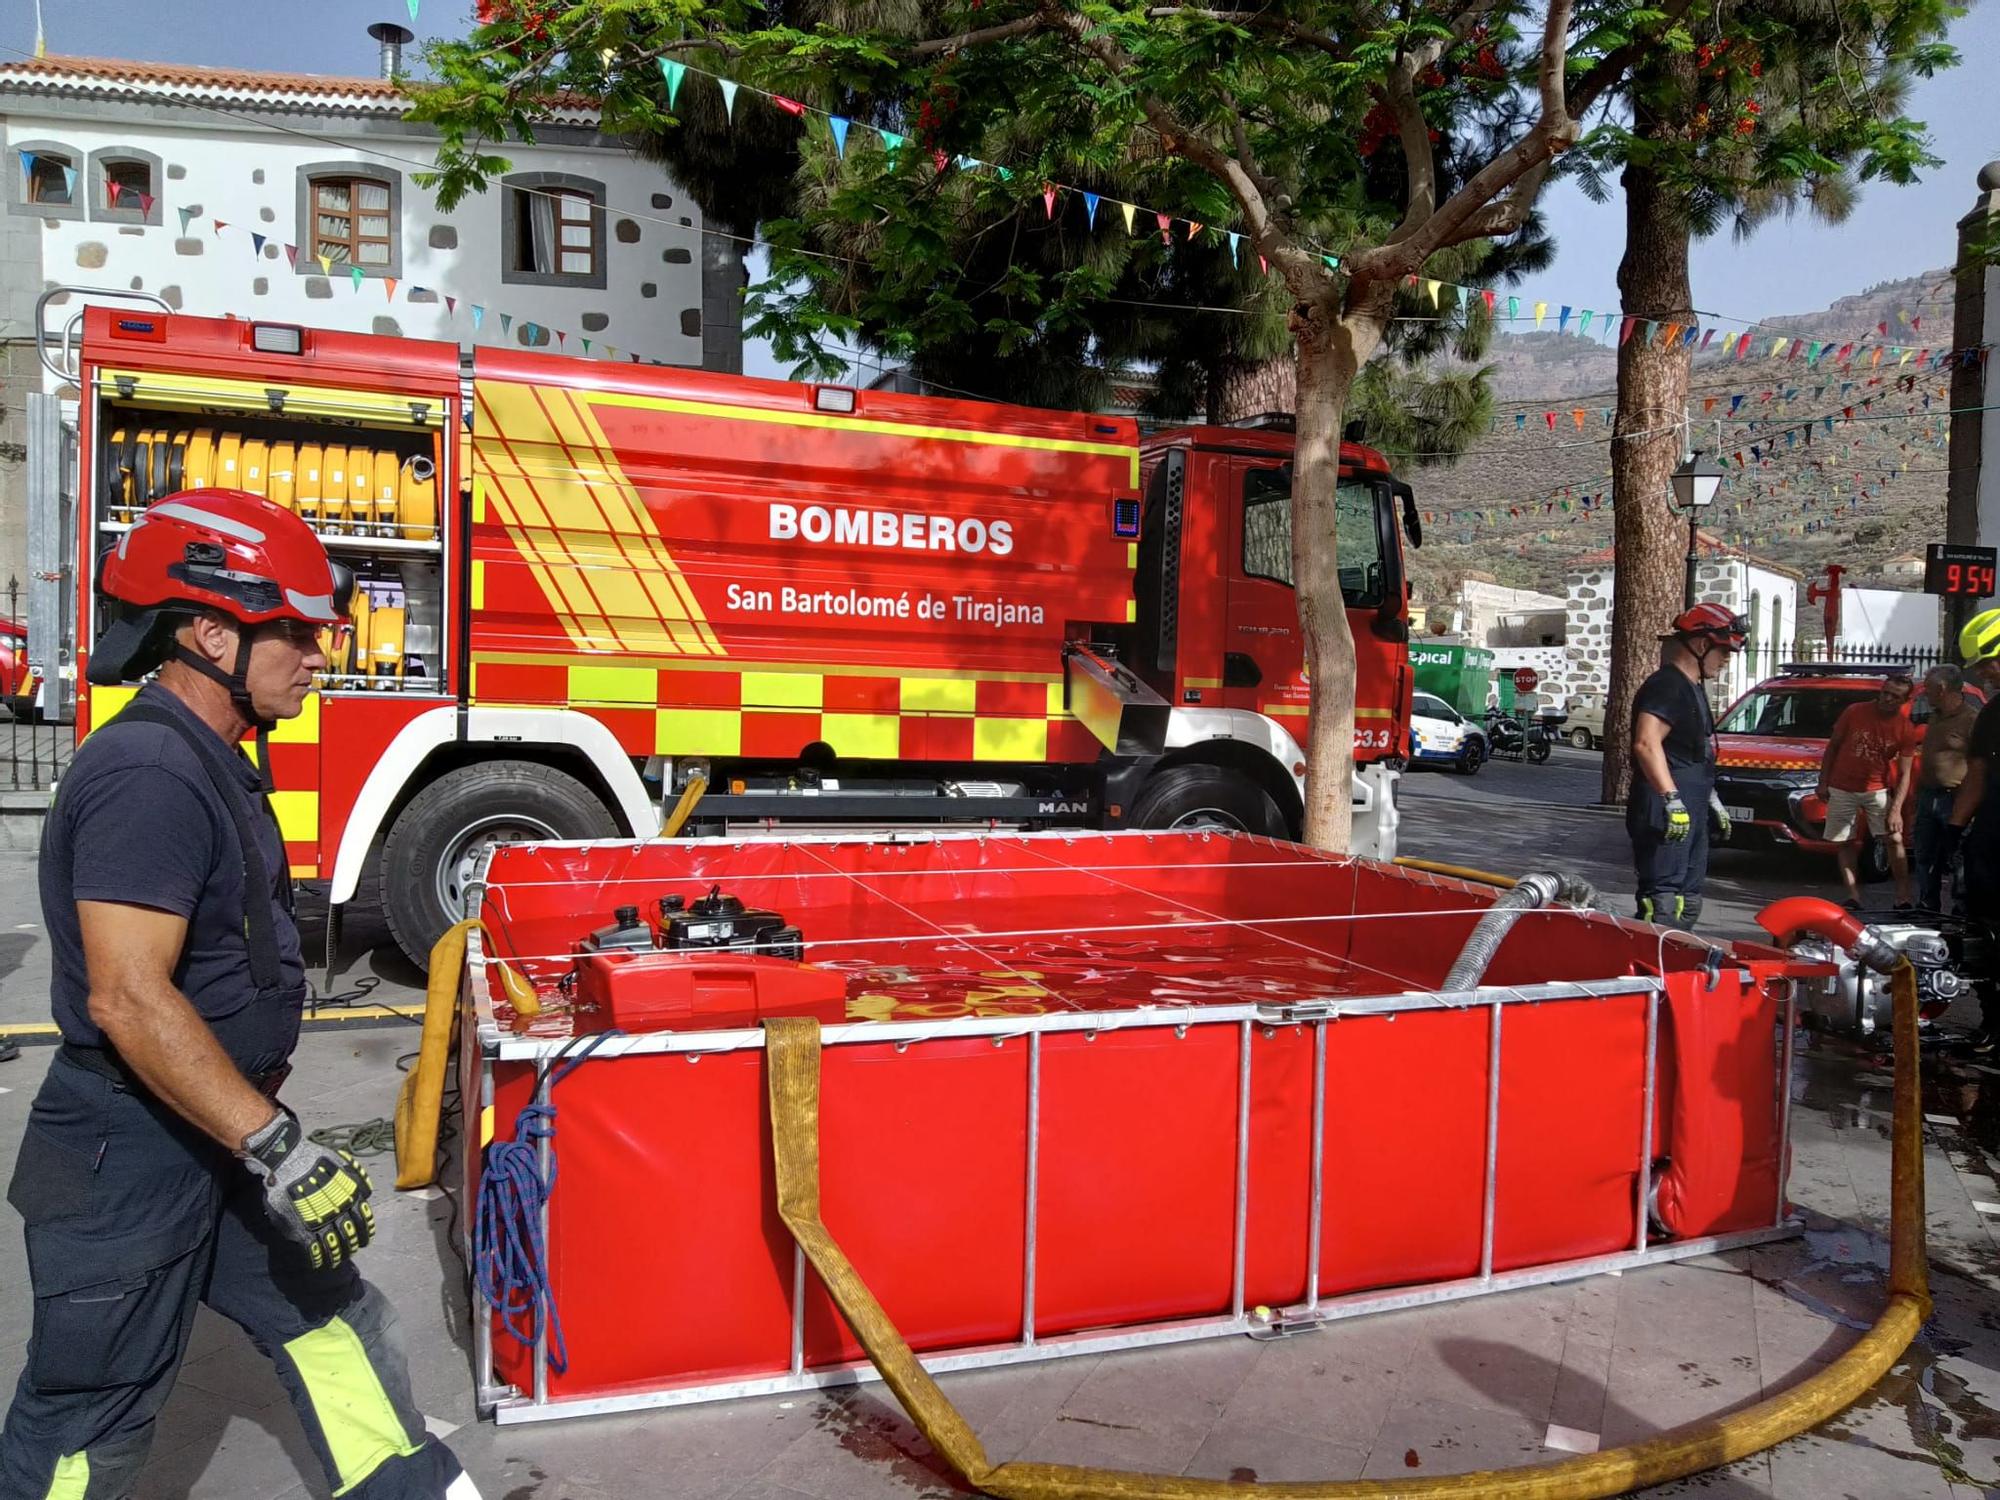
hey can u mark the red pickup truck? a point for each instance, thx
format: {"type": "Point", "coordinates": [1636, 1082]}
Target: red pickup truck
{"type": "Point", "coordinates": [17, 679]}
{"type": "Point", "coordinates": [1769, 745]}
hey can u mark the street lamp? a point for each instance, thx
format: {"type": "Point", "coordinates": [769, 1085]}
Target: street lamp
{"type": "Point", "coordinates": [1695, 483]}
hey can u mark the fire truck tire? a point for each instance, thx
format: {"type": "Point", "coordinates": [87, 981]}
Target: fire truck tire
{"type": "Point", "coordinates": [431, 847]}
{"type": "Point", "coordinates": [1198, 796]}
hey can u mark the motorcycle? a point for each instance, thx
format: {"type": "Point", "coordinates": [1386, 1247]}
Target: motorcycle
{"type": "Point", "coordinates": [1507, 738]}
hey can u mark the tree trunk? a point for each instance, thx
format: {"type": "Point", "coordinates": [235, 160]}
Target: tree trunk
{"type": "Point", "coordinates": [1331, 351]}
{"type": "Point", "coordinates": [1239, 389]}
{"type": "Point", "coordinates": [1650, 534]}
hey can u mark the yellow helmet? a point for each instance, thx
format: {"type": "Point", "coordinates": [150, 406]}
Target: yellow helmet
{"type": "Point", "coordinates": [1980, 638]}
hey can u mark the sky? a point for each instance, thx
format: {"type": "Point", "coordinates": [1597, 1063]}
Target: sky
{"type": "Point", "coordinates": [1786, 266]}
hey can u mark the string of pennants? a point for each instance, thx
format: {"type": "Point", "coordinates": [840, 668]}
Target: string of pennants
{"type": "Point", "coordinates": [1585, 498]}
{"type": "Point", "coordinates": [839, 126]}
{"type": "Point", "coordinates": [1731, 402]}
{"type": "Point", "coordinates": [1138, 218]}
{"type": "Point", "coordinates": [477, 311]}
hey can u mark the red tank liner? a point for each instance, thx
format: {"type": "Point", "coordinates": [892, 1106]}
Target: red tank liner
{"type": "Point", "coordinates": [1074, 1103]}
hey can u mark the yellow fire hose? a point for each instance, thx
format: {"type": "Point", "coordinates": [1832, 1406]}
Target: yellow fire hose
{"type": "Point", "coordinates": [421, 1099]}
{"type": "Point", "coordinates": [792, 1060]}
{"type": "Point", "coordinates": [1458, 872]}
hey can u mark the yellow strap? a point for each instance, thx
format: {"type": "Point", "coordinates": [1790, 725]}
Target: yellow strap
{"type": "Point", "coordinates": [792, 1054]}
{"type": "Point", "coordinates": [420, 1103]}
{"type": "Point", "coordinates": [72, 1481]}
{"type": "Point", "coordinates": [356, 1416]}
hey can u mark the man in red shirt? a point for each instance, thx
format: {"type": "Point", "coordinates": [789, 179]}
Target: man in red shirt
{"type": "Point", "coordinates": [1865, 772]}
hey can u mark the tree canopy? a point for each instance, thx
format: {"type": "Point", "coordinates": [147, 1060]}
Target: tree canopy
{"type": "Point", "coordinates": [1329, 153]}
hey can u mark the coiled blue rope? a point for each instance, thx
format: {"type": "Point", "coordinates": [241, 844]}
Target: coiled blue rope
{"type": "Point", "coordinates": [510, 1259]}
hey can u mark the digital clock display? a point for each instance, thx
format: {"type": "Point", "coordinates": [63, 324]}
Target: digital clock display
{"type": "Point", "coordinates": [1965, 572]}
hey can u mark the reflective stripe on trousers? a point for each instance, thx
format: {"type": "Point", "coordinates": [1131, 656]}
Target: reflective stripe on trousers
{"type": "Point", "coordinates": [132, 1220]}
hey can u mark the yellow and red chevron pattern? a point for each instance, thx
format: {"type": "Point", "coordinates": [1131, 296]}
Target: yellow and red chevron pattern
{"type": "Point", "coordinates": [775, 712]}
{"type": "Point", "coordinates": [555, 484]}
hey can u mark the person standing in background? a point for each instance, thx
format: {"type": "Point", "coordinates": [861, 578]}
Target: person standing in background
{"type": "Point", "coordinates": [1864, 774]}
{"type": "Point", "coordinates": [1673, 797]}
{"type": "Point", "coordinates": [1940, 773]}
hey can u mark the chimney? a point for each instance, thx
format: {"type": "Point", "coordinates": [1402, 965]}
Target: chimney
{"type": "Point", "coordinates": [393, 39]}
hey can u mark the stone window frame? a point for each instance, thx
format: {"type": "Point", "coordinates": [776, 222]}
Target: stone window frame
{"type": "Point", "coordinates": [510, 229]}
{"type": "Point", "coordinates": [303, 218]}
{"type": "Point", "coordinates": [101, 210]}
{"type": "Point", "coordinates": [17, 184]}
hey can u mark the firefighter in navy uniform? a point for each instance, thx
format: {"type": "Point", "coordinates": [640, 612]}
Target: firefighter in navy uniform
{"type": "Point", "coordinates": [158, 1170]}
{"type": "Point", "coordinates": [1973, 825]}
{"type": "Point", "coordinates": [1673, 766]}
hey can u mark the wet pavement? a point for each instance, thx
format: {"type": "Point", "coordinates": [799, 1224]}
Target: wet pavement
{"type": "Point", "coordinates": [1516, 1378]}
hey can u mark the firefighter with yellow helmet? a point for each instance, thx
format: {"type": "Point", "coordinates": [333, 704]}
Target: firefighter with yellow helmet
{"type": "Point", "coordinates": [1974, 826]}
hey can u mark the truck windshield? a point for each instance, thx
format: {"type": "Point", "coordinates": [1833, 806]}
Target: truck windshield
{"type": "Point", "coordinates": [1267, 534]}
{"type": "Point", "coordinates": [1790, 713]}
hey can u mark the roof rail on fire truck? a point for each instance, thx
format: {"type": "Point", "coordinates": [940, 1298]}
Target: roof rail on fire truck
{"type": "Point", "coordinates": [68, 365]}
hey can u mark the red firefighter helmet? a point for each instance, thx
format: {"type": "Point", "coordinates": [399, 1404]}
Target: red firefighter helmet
{"type": "Point", "coordinates": [225, 550]}
{"type": "Point", "coordinates": [1715, 622]}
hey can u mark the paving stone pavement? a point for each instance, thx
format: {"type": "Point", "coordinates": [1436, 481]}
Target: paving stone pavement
{"type": "Point", "coordinates": [1520, 1377]}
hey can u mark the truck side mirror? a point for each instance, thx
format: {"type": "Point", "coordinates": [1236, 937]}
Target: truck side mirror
{"type": "Point", "coordinates": [1413, 525]}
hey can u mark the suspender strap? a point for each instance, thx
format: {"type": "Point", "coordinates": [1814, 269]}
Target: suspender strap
{"type": "Point", "coordinates": [259, 931]}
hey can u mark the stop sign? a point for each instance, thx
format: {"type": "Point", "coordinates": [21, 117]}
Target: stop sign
{"type": "Point", "coordinates": [1525, 680]}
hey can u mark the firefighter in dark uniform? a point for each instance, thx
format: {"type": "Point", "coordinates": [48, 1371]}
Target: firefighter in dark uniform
{"type": "Point", "coordinates": [1673, 766]}
{"type": "Point", "coordinates": [1974, 821]}
{"type": "Point", "coordinates": [158, 1169]}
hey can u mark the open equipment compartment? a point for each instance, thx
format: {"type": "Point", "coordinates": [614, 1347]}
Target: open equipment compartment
{"type": "Point", "coordinates": [1104, 1090]}
{"type": "Point", "coordinates": [369, 469]}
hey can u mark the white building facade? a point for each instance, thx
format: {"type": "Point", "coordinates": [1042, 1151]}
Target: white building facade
{"type": "Point", "coordinates": [293, 198]}
{"type": "Point", "coordinates": [1764, 593]}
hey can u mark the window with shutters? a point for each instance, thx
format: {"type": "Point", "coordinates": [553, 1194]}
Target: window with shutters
{"type": "Point", "coordinates": [552, 230]}
{"type": "Point", "coordinates": [124, 185]}
{"type": "Point", "coordinates": [348, 218]}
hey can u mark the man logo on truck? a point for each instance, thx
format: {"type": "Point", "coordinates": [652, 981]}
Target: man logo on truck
{"type": "Point", "coordinates": [906, 530]}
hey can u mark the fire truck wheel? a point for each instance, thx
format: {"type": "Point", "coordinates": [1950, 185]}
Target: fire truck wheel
{"type": "Point", "coordinates": [437, 839]}
{"type": "Point", "coordinates": [1207, 797]}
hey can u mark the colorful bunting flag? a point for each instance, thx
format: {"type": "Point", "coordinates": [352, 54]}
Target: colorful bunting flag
{"type": "Point", "coordinates": [838, 125]}
{"type": "Point", "coordinates": [1090, 202]}
{"type": "Point", "coordinates": [256, 243]}
{"type": "Point", "coordinates": [1128, 209]}
{"type": "Point", "coordinates": [1562, 322]}
{"type": "Point", "coordinates": [673, 72]}
{"type": "Point", "coordinates": [1165, 221]}
{"type": "Point", "coordinates": [1541, 310]}
{"type": "Point", "coordinates": [728, 100]}
{"type": "Point", "coordinates": [356, 275]}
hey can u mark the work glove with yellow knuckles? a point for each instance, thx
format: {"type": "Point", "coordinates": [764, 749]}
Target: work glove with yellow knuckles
{"type": "Point", "coordinates": [1679, 823]}
{"type": "Point", "coordinates": [317, 1196]}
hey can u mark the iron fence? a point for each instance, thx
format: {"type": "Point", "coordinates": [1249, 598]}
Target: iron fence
{"type": "Point", "coordinates": [1761, 659]}
{"type": "Point", "coordinates": [35, 748]}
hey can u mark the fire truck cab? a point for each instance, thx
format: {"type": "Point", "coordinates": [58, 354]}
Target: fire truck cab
{"type": "Point", "coordinates": [584, 584]}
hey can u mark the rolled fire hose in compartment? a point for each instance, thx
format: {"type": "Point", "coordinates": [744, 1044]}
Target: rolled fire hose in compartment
{"type": "Point", "coordinates": [372, 494]}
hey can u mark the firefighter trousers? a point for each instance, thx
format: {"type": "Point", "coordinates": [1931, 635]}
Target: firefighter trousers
{"type": "Point", "coordinates": [1671, 876]}
{"type": "Point", "coordinates": [132, 1219]}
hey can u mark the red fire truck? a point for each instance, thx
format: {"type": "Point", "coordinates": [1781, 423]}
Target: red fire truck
{"type": "Point", "coordinates": [584, 583]}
